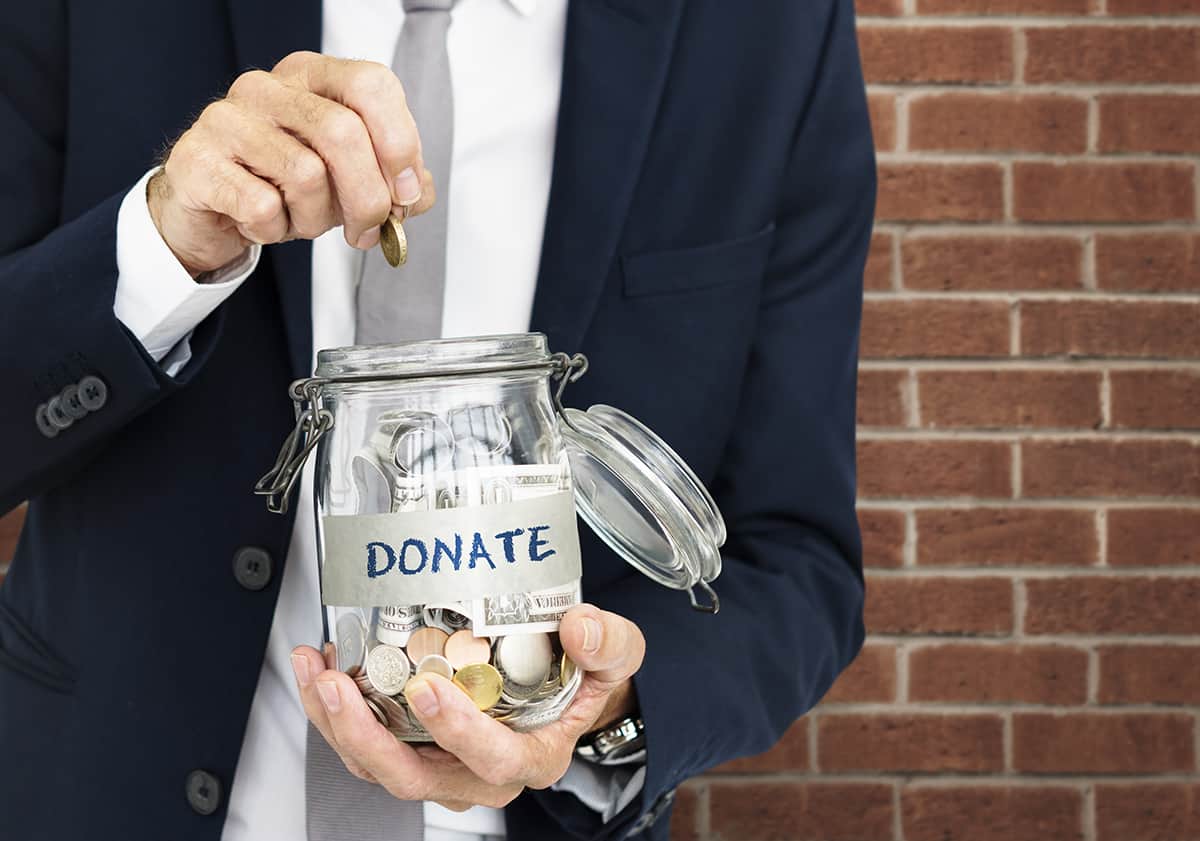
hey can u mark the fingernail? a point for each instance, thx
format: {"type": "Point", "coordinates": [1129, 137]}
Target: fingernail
{"type": "Point", "coordinates": [591, 636]}
{"type": "Point", "coordinates": [328, 691]}
{"type": "Point", "coordinates": [300, 665]}
{"type": "Point", "coordinates": [408, 187]}
{"type": "Point", "coordinates": [369, 239]}
{"type": "Point", "coordinates": [421, 695]}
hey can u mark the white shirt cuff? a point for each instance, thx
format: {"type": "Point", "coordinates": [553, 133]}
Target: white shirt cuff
{"type": "Point", "coordinates": [605, 789]}
{"type": "Point", "coordinates": [156, 298]}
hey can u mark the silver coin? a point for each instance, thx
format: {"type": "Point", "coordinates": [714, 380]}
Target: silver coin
{"type": "Point", "coordinates": [437, 664]}
{"type": "Point", "coordinates": [525, 658]}
{"type": "Point", "coordinates": [351, 641]}
{"type": "Point", "coordinates": [376, 710]}
{"type": "Point", "coordinates": [388, 669]}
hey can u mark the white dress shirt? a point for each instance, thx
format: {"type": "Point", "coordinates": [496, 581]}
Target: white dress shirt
{"type": "Point", "coordinates": [506, 70]}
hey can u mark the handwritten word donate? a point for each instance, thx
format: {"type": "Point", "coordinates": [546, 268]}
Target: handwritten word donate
{"type": "Point", "coordinates": [414, 555]}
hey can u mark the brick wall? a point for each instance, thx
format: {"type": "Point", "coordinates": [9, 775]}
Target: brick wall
{"type": "Point", "coordinates": [1030, 445]}
{"type": "Point", "coordinates": [1029, 426]}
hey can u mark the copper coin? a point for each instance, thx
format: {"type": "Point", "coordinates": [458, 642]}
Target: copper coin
{"type": "Point", "coordinates": [426, 641]}
{"type": "Point", "coordinates": [464, 649]}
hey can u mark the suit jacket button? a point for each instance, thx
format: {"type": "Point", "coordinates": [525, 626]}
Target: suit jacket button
{"type": "Point", "coordinates": [69, 400]}
{"type": "Point", "coordinates": [43, 423]}
{"type": "Point", "coordinates": [93, 393]}
{"type": "Point", "coordinates": [56, 414]}
{"type": "Point", "coordinates": [252, 567]}
{"type": "Point", "coordinates": [203, 792]}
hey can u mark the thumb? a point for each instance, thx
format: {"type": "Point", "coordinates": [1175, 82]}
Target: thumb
{"type": "Point", "coordinates": [607, 646]}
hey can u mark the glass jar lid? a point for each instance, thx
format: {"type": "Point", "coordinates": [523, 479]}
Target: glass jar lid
{"type": "Point", "coordinates": [643, 500]}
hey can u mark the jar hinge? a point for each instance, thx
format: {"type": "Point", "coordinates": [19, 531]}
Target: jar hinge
{"type": "Point", "coordinates": [714, 602]}
{"type": "Point", "coordinates": [567, 369]}
{"type": "Point", "coordinates": [312, 422]}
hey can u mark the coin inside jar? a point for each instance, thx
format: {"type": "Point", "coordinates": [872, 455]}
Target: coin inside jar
{"type": "Point", "coordinates": [566, 671]}
{"type": "Point", "coordinates": [482, 682]}
{"type": "Point", "coordinates": [393, 242]}
{"type": "Point", "coordinates": [436, 664]}
{"type": "Point", "coordinates": [463, 648]}
{"type": "Point", "coordinates": [427, 641]}
{"type": "Point", "coordinates": [525, 658]}
{"type": "Point", "coordinates": [388, 669]}
{"type": "Point", "coordinates": [351, 641]}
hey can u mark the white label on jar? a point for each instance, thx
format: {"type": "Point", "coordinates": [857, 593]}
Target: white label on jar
{"type": "Point", "coordinates": [417, 557]}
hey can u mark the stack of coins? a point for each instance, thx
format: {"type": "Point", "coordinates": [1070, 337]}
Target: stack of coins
{"type": "Point", "coordinates": [522, 679]}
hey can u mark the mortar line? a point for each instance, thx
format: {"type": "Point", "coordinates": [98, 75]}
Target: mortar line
{"type": "Point", "coordinates": [1106, 400]}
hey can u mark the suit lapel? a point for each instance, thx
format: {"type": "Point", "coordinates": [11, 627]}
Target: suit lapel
{"type": "Point", "coordinates": [265, 31]}
{"type": "Point", "coordinates": [615, 63]}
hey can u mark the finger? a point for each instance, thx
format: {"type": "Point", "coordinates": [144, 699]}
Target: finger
{"type": "Point", "coordinates": [607, 646]}
{"type": "Point", "coordinates": [428, 194]}
{"type": "Point", "coordinates": [496, 754]}
{"type": "Point", "coordinates": [278, 157]}
{"type": "Point", "coordinates": [307, 663]}
{"type": "Point", "coordinates": [201, 167]}
{"type": "Point", "coordinates": [362, 741]}
{"type": "Point", "coordinates": [339, 136]}
{"type": "Point", "coordinates": [373, 92]}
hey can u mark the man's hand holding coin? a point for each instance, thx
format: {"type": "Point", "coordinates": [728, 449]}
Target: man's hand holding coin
{"type": "Point", "coordinates": [315, 143]}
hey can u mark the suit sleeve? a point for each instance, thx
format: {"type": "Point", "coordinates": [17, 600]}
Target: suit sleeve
{"type": "Point", "coordinates": [58, 280]}
{"type": "Point", "coordinates": [714, 688]}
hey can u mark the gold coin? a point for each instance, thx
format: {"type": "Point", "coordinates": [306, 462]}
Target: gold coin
{"type": "Point", "coordinates": [426, 641]}
{"type": "Point", "coordinates": [393, 242]}
{"type": "Point", "coordinates": [566, 671]}
{"type": "Point", "coordinates": [482, 682]}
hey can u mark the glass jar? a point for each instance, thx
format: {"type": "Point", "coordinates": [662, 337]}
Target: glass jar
{"type": "Point", "coordinates": [447, 482]}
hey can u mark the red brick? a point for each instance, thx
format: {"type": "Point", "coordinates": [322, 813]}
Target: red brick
{"type": "Point", "coordinates": [900, 468]}
{"type": "Point", "coordinates": [1154, 7]}
{"type": "Point", "coordinates": [1005, 399]}
{"type": "Point", "coordinates": [1150, 123]}
{"type": "Point", "coordinates": [1006, 537]}
{"type": "Point", "coordinates": [1130, 54]}
{"type": "Point", "coordinates": [940, 192]}
{"type": "Point", "coordinates": [1113, 605]}
{"type": "Point", "coordinates": [988, 674]}
{"type": "Point", "coordinates": [794, 811]}
{"type": "Point", "coordinates": [964, 262]}
{"type": "Point", "coordinates": [1153, 536]}
{"type": "Point", "coordinates": [10, 530]}
{"type": "Point", "coordinates": [685, 823]}
{"type": "Point", "coordinates": [883, 534]}
{"type": "Point", "coordinates": [1150, 674]}
{"type": "Point", "coordinates": [1111, 328]}
{"type": "Point", "coordinates": [877, 276]}
{"type": "Point", "coordinates": [991, 813]}
{"type": "Point", "coordinates": [1003, 7]}
{"type": "Point", "coordinates": [976, 122]}
{"type": "Point", "coordinates": [883, 120]}
{"type": "Point", "coordinates": [790, 753]}
{"type": "Point", "coordinates": [871, 677]}
{"type": "Point", "coordinates": [936, 54]}
{"type": "Point", "coordinates": [1166, 262]}
{"type": "Point", "coordinates": [901, 742]}
{"type": "Point", "coordinates": [1103, 192]}
{"type": "Point", "coordinates": [880, 8]}
{"type": "Point", "coordinates": [1093, 743]}
{"type": "Point", "coordinates": [1107, 468]}
{"type": "Point", "coordinates": [1148, 812]}
{"type": "Point", "coordinates": [915, 329]}
{"type": "Point", "coordinates": [883, 398]}
{"type": "Point", "coordinates": [939, 605]}
{"type": "Point", "coordinates": [1156, 399]}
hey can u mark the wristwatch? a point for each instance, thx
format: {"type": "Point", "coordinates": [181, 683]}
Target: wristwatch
{"type": "Point", "coordinates": [614, 743]}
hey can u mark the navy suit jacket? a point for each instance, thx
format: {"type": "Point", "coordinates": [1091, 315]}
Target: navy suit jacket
{"type": "Point", "coordinates": [708, 222]}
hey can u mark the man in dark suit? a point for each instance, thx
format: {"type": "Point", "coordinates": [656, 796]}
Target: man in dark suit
{"type": "Point", "coordinates": [706, 226]}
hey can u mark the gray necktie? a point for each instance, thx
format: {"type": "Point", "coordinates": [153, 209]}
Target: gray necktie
{"type": "Point", "coordinates": [396, 305]}
{"type": "Point", "coordinates": [403, 304]}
